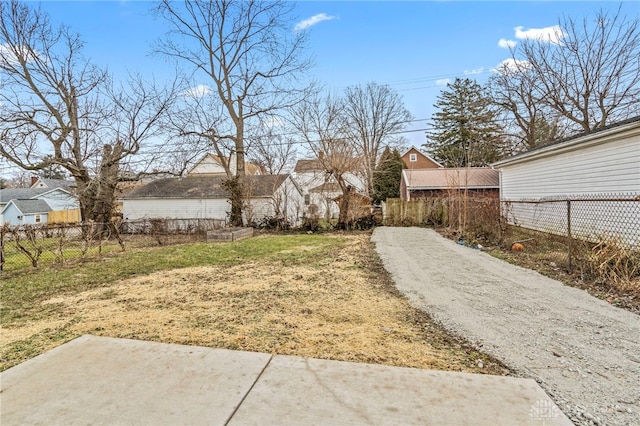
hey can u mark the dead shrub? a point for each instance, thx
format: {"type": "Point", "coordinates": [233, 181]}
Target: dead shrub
{"type": "Point", "coordinates": [616, 265]}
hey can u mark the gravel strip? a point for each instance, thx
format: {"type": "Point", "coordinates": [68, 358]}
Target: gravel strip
{"type": "Point", "coordinates": [584, 352]}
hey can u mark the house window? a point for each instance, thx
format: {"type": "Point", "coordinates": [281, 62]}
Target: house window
{"type": "Point", "coordinates": [37, 217]}
{"type": "Point", "coordinates": [413, 157]}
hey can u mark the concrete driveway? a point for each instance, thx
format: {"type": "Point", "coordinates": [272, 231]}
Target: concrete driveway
{"type": "Point", "coordinates": [584, 352]}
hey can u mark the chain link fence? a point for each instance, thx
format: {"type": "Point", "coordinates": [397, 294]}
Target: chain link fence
{"type": "Point", "coordinates": [33, 246]}
{"type": "Point", "coordinates": [571, 228]}
{"type": "Point", "coordinates": [595, 234]}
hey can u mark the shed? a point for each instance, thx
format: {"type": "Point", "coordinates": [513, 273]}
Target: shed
{"type": "Point", "coordinates": [439, 182]}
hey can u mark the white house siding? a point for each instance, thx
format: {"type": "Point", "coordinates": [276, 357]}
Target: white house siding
{"type": "Point", "coordinates": [180, 208]}
{"type": "Point", "coordinates": [207, 165]}
{"type": "Point", "coordinates": [608, 168]}
{"type": "Point", "coordinates": [604, 165]}
{"type": "Point", "coordinates": [288, 199]}
{"type": "Point", "coordinates": [327, 208]}
{"type": "Point", "coordinates": [59, 200]}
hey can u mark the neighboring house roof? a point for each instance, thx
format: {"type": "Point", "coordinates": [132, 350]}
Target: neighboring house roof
{"type": "Point", "coordinates": [55, 183]}
{"type": "Point", "coordinates": [7, 195]}
{"type": "Point", "coordinates": [315, 165]}
{"type": "Point", "coordinates": [327, 187]}
{"type": "Point", "coordinates": [264, 185]}
{"type": "Point", "coordinates": [30, 206]}
{"type": "Point", "coordinates": [205, 186]}
{"type": "Point", "coordinates": [124, 187]}
{"type": "Point", "coordinates": [428, 157]}
{"type": "Point", "coordinates": [573, 142]}
{"type": "Point", "coordinates": [471, 178]}
{"type": "Point", "coordinates": [303, 166]}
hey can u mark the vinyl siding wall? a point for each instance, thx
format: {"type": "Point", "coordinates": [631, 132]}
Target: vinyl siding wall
{"type": "Point", "coordinates": [600, 169]}
{"type": "Point", "coordinates": [182, 208]}
{"type": "Point", "coordinates": [289, 201]}
{"type": "Point", "coordinates": [13, 216]}
{"type": "Point", "coordinates": [612, 167]}
{"type": "Point", "coordinates": [59, 200]}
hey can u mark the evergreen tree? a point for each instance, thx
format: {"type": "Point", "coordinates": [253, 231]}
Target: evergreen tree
{"type": "Point", "coordinates": [465, 127]}
{"type": "Point", "coordinates": [387, 176]}
{"type": "Point", "coordinates": [51, 170]}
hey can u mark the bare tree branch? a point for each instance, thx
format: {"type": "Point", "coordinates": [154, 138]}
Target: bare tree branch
{"type": "Point", "coordinates": [247, 51]}
{"type": "Point", "coordinates": [375, 114]}
{"type": "Point", "coordinates": [592, 76]}
{"type": "Point", "coordinates": [57, 108]}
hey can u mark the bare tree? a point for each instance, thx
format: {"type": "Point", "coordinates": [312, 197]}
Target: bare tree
{"type": "Point", "coordinates": [20, 179]}
{"type": "Point", "coordinates": [322, 123]}
{"type": "Point", "coordinates": [591, 77]}
{"type": "Point", "coordinates": [513, 89]}
{"type": "Point", "coordinates": [58, 109]}
{"type": "Point", "coordinates": [247, 51]}
{"type": "Point", "coordinates": [272, 146]}
{"type": "Point", "coordinates": [376, 114]}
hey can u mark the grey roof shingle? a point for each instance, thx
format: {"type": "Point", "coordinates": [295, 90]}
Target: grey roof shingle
{"type": "Point", "coordinates": [32, 206]}
{"type": "Point", "coordinates": [303, 166]}
{"type": "Point", "coordinates": [7, 195]}
{"type": "Point", "coordinates": [209, 186]}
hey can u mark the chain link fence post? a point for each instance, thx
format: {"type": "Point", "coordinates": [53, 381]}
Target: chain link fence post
{"type": "Point", "coordinates": [569, 235]}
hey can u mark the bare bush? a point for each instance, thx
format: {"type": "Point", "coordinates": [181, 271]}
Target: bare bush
{"type": "Point", "coordinates": [617, 266]}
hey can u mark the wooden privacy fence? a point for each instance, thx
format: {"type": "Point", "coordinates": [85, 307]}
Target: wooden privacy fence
{"type": "Point", "coordinates": [463, 214]}
{"type": "Point", "coordinates": [421, 211]}
{"type": "Point", "coordinates": [64, 216]}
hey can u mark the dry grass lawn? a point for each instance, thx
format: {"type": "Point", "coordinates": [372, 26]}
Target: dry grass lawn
{"type": "Point", "coordinates": [336, 304]}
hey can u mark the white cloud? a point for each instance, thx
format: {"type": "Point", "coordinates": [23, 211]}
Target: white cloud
{"type": "Point", "coordinates": [199, 91]}
{"type": "Point", "coordinates": [507, 44]}
{"type": "Point", "coordinates": [473, 72]}
{"type": "Point", "coordinates": [511, 65]}
{"type": "Point", "coordinates": [549, 34]}
{"type": "Point", "coordinates": [8, 57]}
{"type": "Point", "coordinates": [443, 81]}
{"type": "Point", "coordinates": [303, 25]}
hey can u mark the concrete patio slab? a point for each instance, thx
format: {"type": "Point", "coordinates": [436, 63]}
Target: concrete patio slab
{"type": "Point", "coordinates": [99, 380]}
{"type": "Point", "coordinates": [306, 391]}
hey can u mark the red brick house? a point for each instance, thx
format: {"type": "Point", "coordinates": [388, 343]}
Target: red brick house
{"type": "Point", "coordinates": [414, 159]}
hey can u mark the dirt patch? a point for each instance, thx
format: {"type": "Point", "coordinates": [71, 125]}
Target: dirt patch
{"type": "Point", "coordinates": [342, 307]}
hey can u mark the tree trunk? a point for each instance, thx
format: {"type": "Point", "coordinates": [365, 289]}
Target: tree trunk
{"type": "Point", "coordinates": [236, 186]}
{"type": "Point", "coordinates": [107, 180]}
{"type": "Point", "coordinates": [343, 216]}
{"type": "Point", "coordinates": [236, 195]}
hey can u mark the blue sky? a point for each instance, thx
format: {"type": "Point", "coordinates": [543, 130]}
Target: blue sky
{"type": "Point", "coordinates": [412, 46]}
